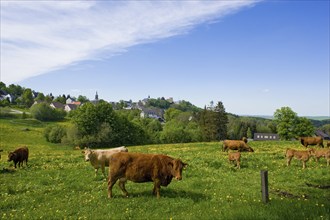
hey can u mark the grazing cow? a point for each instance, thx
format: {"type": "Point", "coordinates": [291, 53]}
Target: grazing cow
{"type": "Point", "coordinates": [19, 155]}
{"type": "Point", "coordinates": [300, 155]}
{"type": "Point", "coordinates": [235, 156]}
{"type": "Point", "coordinates": [318, 153]}
{"type": "Point", "coordinates": [239, 145]}
{"type": "Point", "coordinates": [100, 158]}
{"type": "Point", "coordinates": [311, 141]}
{"type": "Point", "coordinates": [138, 167]}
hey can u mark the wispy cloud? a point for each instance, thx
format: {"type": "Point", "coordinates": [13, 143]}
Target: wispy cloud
{"type": "Point", "coordinates": [41, 36]}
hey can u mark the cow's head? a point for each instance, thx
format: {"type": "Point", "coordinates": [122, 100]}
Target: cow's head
{"type": "Point", "coordinates": [250, 149]}
{"type": "Point", "coordinates": [87, 152]}
{"type": "Point", "coordinates": [177, 166]}
{"type": "Point", "coordinates": [11, 156]}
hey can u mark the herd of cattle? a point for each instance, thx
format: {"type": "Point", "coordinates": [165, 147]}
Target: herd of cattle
{"type": "Point", "coordinates": [161, 169]}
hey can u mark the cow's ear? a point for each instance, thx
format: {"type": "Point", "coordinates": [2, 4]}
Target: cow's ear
{"type": "Point", "coordinates": [170, 163]}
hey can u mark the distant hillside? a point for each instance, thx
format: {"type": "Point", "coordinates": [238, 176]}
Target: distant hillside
{"type": "Point", "coordinates": [316, 118]}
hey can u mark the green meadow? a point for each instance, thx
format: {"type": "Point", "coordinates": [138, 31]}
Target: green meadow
{"type": "Point", "coordinates": [59, 184]}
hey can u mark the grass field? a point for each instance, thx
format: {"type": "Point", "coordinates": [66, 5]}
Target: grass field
{"type": "Point", "coordinates": [59, 184]}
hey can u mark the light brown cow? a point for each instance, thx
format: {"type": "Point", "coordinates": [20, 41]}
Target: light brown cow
{"type": "Point", "coordinates": [239, 145]}
{"type": "Point", "coordinates": [312, 141]}
{"type": "Point", "coordinates": [318, 153]}
{"type": "Point", "coordinates": [137, 167]}
{"type": "Point", "coordinates": [300, 155]}
{"type": "Point", "coordinates": [235, 156]}
{"type": "Point", "coordinates": [100, 158]}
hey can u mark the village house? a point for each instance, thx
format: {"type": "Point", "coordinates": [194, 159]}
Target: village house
{"type": "Point", "coordinates": [57, 105]}
{"type": "Point", "coordinates": [265, 137]}
{"type": "Point", "coordinates": [4, 95]}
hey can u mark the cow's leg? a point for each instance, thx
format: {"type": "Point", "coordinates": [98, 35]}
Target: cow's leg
{"type": "Point", "coordinates": [111, 182]}
{"type": "Point", "coordinates": [96, 169]}
{"type": "Point", "coordinates": [288, 161]}
{"type": "Point", "coordinates": [103, 169]}
{"type": "Point", "coordinates": [156, 190]}
{"type": "Point", "coordinates": [328, 161]}
{"type": "Point", "coordinates": [238, 164]}
{"type": "Point", "coordinates": [317, 159]}
{"type": "Point", "coordinates": [122, 182]}
{"type": "Point", "coordinates": [304, 164]}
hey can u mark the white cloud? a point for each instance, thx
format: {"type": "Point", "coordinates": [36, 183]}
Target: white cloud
{"type": "Point", "coordinates": [41, 36]}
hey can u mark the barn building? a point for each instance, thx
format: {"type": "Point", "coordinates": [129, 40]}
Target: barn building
{"type": "Point", "coordinates": [265, 137]}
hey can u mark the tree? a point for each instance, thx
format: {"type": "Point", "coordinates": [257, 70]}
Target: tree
{"type": "Point", "coordinates": [82, 99]}
{"type": "Point", "coordinates": [40, 97]}
{"type": "Point", "coordinates": [304, 127]}
{"type": "Point", "coordinates": [289, 125]}
{"type": "Point", "coordinates": [61, 99]}
{"type": "Point", "coordinates": [213, 122]}
{"type": "Point", "coordinates": [221, 121]}
{"type": "Point", "coordinates": [44, 112]}
{"type": "Point", "coordinates": [49, 98]}
{"type": "Point", "coordinates": [99, 125]}
{"type": "Point", "coordinates": [171, 113]}
{"type": "Point", "coordinates": [27, 98]}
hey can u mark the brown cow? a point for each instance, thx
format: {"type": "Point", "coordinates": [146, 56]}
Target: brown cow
{"type": "Point", "coordinates": [239, 145]}
{"type": "Point", "coordinates": [138, 167]}
{"type": "Point", "coordinates": [318, 153]}
{"type": "Point", "coordinates": [19, 156]}
{"type": "Point", "coordinates": [235, 156]}
{"type": "Point", "coordinates": [311, 141]}
{"type": "Point", "coordinates": [300, 155]}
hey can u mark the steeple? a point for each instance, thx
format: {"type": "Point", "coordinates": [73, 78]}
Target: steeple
{"type": "Point", "coordinates": [96, 96]}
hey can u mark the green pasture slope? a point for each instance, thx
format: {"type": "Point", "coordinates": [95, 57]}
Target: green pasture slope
{"type": "Point", "coordinates": [59, 184]}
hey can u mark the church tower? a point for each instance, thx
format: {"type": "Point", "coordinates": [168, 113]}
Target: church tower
{"type": "Point", "coordinates": [96, 96]}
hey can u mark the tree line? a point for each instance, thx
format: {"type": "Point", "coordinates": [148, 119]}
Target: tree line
{"type": "Point", "coordinates": [106, 124]}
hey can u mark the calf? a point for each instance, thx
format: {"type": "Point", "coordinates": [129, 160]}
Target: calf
{"type": "Point", "coordinates": [235, 156]}
{"type": "Point", "coordinates": [137, 167]}
{"type": "Point", "coordinates": [312, 141]}
{"type": "Point", "coordinates": [239, 145]}
{"type": "Point", "coordinates": [100, 158]}
{"type": "Point", "coordinates": [300, 155]}
{"type": "Point", "coordinates": [19, 155]}
{"type": "Point", "coordinates": [318, 153]}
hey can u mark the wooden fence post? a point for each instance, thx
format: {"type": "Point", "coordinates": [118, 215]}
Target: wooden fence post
{"type": "Point", "coordinates": [264, 186]}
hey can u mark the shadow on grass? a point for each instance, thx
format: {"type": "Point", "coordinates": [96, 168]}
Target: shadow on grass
{"type": "Point", "coordinates": [166, 193]}
{"type": "Point", "coordinates": [7, 170]}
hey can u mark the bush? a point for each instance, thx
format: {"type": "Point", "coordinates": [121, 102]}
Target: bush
{"type": "Point", "coordinates": [54, 134]}
{"type": "Point", "coordinates": [44, 112]}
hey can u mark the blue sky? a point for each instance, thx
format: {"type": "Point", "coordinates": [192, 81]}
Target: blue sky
{"type": "Point", "coordinates": [254, 56]}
